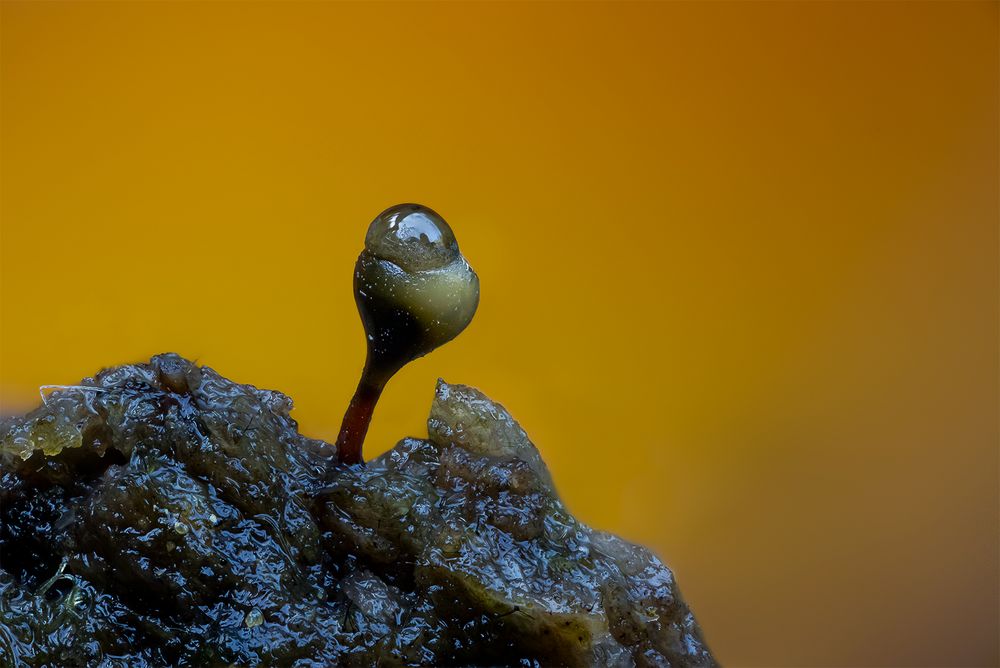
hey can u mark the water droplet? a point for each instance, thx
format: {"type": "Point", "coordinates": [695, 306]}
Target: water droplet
{"type": "Point", "coordinates": [254, 618]}
{"type": "Point", "coordinates": [180, 528]}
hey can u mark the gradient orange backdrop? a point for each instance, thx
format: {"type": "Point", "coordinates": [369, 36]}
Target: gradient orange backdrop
{"type": "Point", "coordinates": [739, 264]}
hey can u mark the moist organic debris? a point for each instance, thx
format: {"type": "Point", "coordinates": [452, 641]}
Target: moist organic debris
{"type": "Point", "coordinates": [160, 514]}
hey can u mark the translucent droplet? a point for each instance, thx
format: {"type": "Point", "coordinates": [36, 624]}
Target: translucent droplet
{"type": "Point", "coordinates": [413, 237]}
{"type": "Point", "coordinates": [254, 618]}
{"type": "Point", "coordinates": [180, 528]}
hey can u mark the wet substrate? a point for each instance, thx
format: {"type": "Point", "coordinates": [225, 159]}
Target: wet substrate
{"type": "Point", "coordinates": [160, 514]}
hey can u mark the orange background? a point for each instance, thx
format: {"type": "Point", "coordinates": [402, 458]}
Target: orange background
{"type": "Point", "coordinates": [739, 264]}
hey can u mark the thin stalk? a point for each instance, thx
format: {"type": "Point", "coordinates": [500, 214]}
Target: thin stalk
{"type": "Point", "coordinates": [357, 418]}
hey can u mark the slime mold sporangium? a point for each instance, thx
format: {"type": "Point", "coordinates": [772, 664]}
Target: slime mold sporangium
{"type": "Point", "coordinates": [415, 291]}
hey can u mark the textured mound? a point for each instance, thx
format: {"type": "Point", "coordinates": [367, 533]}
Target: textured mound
{"type": "Point", "coordinates": [160, 514]}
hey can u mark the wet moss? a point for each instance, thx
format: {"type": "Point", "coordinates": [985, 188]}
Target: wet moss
{"type": "Point", "coordinates": [160, 514]}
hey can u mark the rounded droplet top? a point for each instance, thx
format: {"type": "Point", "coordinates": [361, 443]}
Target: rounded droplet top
{"type": "Point", "coordinates": [413, 237]}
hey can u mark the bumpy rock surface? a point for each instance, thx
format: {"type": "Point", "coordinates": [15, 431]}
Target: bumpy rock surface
{"type": "Point", "coordinates": [160, 514]}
